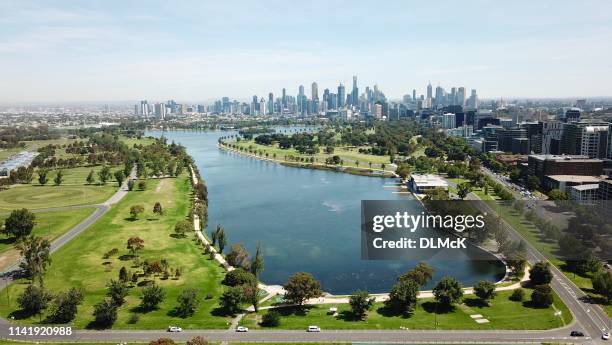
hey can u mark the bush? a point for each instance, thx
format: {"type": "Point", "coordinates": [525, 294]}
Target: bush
{"type": "Point", "coordinates": [238, 277]}
{"type": "Point", "coordinates": [271, 319]}
{"type": "Point", "coordinates": [105, 313]}
{"type": "Point", "coordinates": [65, 305]}
{"type": "Point", "coordinates": [134, 318]}
{"type": "Point", "coordinates": [151, 297]}
{"type": "Point", "coordinates": [33, 299]}
{"type": "Point", "coordinates": [542, 296]}
{"type": "Point", "coordinates": [518, 295]}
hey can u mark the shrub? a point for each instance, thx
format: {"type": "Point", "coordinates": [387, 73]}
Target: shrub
{"type": "Point", "coordinates": [518, 295]}
{"type": "Point", "coordinates": [271, 319]}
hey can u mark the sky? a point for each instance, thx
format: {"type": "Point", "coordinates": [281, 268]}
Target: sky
{"type": "Point", "coordinates": [54, 51]}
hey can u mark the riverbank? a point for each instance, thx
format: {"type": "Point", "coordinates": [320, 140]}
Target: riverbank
{"type": "Point", "coordinates": [371, 172]}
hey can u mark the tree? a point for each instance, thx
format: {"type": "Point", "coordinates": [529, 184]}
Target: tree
{"type": "Point", "coordinates": [257, 265]}
{"type": "Point", "coordinates": [124, 275]}
{"type": "Point", "coordinates": [42, 176]}
{"type": "Point", "coordinates": [251, 293]}
{"type": "Point", "coordinates": [300, 287]}
{"type": "Point", "coordinates": [361, 302]}
{"type": "Point", "coordinates": [231, 298]}
{"type": "Point", "coordinates": [119, 177]}
{"type": "Point", "coordinates": [485, 290]}
{"type": "Point", "coordinates": [90, 177]}
{"type": "Point", "coordinates": [448, 291]}
{"type": "Point", "coordinates": [403, 296]}
{"type": "Point", "coordinates": [142, 185]}
{"type": "Point", "coordinates": [134, 244]}
{"type": "Point", "coordinates": [602, 284]}
{"type": "Point", "coordinates": [20, 223]}
{"type": "Point", "coordinates": [105, 313]}
{"type": "Point", "coordinates": [463, 189]}
{"type": "Point", "coordinates": [238, 277]}
{"type": "Point", "coordinates": [188, 302]}
{"type": "Point", "coordinates": [403, 170]}
{"type": "Point", "coordinates": [533, 182]}
{"type": "Point", "coordinates": [65, 305]}
{"type": "Point", "coordinates": [518, 295]}
{"type": "Point", "coordinates": [197, 341]}
{"type": "Point", "coordinates": [221, 240]}
{"type": "Point", "coordinates": [556, 194]}
{"type": "Point", "coordinates": [542, 296]}
{"type": "Point", "coordinates": [59, 177]}
{"type": "Point", "coordinates": [157, 208]}
{"type": "Point", "coordinates": [162, 341]}
{"type": "Point", "coordinates": [421, 274]}
{"type": "Point", "coordinates": [182, 227]}
{"type": "Point", "coordinates": [130, 185]}
{"type": "Point", "coordinates": [117, 290]}
{"type": "Point", "coordinates": [271, 319]}
{"type": "Point", "coordinates": [33, 299]}
{"type": "Point", "coordinates": [238, 256]}
{"type": "Point", "coordinates": [104, 174]}
{"type": "Point", "coordinates": [36, 257]}
{"type": "Point", "coordinates": [135, 210]}
{"type": "Point", "coordinates": [540, 273]}
{"type": "Point", "coordinates": [151, 296]}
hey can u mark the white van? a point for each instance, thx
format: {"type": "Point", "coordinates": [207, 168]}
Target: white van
{"type": "Point", "coordinates": [314, 329]}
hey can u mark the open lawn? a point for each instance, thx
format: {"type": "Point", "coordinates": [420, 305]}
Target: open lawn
{"type": "Point", "coordinates": [81, 263]}
{"type": "Point", "coordinates": [502, 314]}
{"type": "Point", "coordinates": [32, 146]}
{"type": "Point", "coordinates": [78, 176]}
{"type": "Point", "coordinates": [142, 141]}
{"type": "Point", "coordinates": [34, 196]}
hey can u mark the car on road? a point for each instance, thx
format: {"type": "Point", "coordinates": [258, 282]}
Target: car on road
{"type": "Point", "coordinates": [605, 335]}
{"type": "Point", "coordinates": [174, 329]}
{"type": "Point", "coordinates": [314, 329]}
{"type": "Point", "coordinates": [242, 329]}
{"type": "Point", "coordinates": [576, 334]}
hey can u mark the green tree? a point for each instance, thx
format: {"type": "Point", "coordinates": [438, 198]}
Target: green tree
{"type": "Point", "coordinates": [124, 275]}
{"type": "Point", "coordinates": [231, 298]}
{"type": "Point", "coordinates": [361, 302]}
{"type": "Point", "coordinates": [463, 189]}
{"type": "Point", "coordinates": [257, 265]}
{"type": "Point", "coordinates": [130, 184]}
{"type": "Point", "coordinates": [65, 305]}
{"type": "Point", "coordinates": [485, 291]}
{"type": "Point", "coordinates": [117, 290]}
{"type": "Point", "coordinates": [238, 277]}
{"type": "Point", "coordinates": [403, 296]}
{"type": "Point", "coordinates": [221, 240]}
{"type": "Point", "coordinates": [42, 176]}
{"type": "Point", "coordinates": [134, 244]}
{"type": "Point", "coordinates": [518, 295]}
{"type": "Point", "coordinates": [540, 273]}
{"type": "Point", "coordinates": [542, 296]}
{"type": "Point", "coordinates": [135, 210]}
{"type": "Point", "coordinates": [238, 256]}
{"type": "Point", "coordinates": [104, 174]}
{"type": "Point", "coordinates": [90, 177]}
{"type": "Point", "coordinates": [36, 257]}
{"type": "Point", "coordinates": [602, 284]}
{"type": "Point", "coordinates": [119, 177]}
{"type": "Point", "coordinates": [152, 295]}
{"type": "Point", "coordinates": [33, 300]}
{"type": "Point", "coordinates": [403, 170]}
{"type": "Point", "coordinates": [157, 208]}
{"type": "Point", "coordinates": [59, 177]}
{"type": "Point", "coordinates": [19, 223]}
{"type": "Point", "coordinates": [271, 319]}
{"type": "Point", "coordinates": [421, 274]}
{"type": "Point", "coordinates": [105, 313]}
{"type": "Point", "coordinates": [533, 182]}
{"type": "Point", "coordinates": [188, 302]}
{"type": "Point", "coordinates": [556, 194]}
{"type": "Point", "coordinates": [448, 291]}
{"type": "Point", "coordinates": [182, 227]}
{"type": "Point", "coordinates": [300, 287]}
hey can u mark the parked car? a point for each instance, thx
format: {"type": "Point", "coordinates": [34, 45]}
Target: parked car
{"type": "Point", "coordinates": [174, 329]}
{"type": "Point", "coordinates": [605, 335]}
{"type": "Point", "coordinates": [576, 334]}
{"type": "Point", "coordinates": [242, 329]}
{"type": "Point", "coordinates": [314, 329]}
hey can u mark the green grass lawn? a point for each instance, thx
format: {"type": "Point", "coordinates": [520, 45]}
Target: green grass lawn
{"type": "Point", "coordinates": [78, 176]}
{"type": "Point", "coordinates": [35, 196]}
{"type": "Point", "coordinates": [80, 263]}
{"type": "Point", "coordinates": [50, 225]}
{"type": "Point", "coordinates": [502, 314]}
{"type": "Point", "coordinates": [142, 141]}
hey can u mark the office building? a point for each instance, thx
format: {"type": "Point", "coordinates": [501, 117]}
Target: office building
{"type": "Point", "coordinates": [448, 121]}
{"type": "Point", "coordinates": [543, 165]}
{"type": "Point", "coordinates": [341, 96]}
{"type": "Point", "coordinates": [585, 193]}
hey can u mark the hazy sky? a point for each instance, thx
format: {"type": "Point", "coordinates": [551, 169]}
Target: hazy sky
{"type": "Point", "coordinates": [199, 50]}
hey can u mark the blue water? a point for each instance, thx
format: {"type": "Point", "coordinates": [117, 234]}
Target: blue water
{"type": "Point", "coordinates": [306, 220]}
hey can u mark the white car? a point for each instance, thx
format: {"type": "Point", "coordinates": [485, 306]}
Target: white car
{"type": "Point", "coordinates": [174, 329]}
{"type": "Point", "coordinates": [314, 329]}
{"type": "Point", "coordinates": [605, 335]}
{"type": "Point", "coordinates": [242, 329]}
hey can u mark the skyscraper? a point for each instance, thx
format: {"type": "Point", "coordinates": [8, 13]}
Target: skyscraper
{"type": "Point", "coordinates": [270, 103]}
{"type": "Point", "coordinates": [341, 95]}
{"type": "Point", "coordinates": [314, 92]}
{"type": "Point", "coordinates": [429, 91]}
{"type": "Point", "coordinates": [461, 96]}
{"type": "Point", "coordinates": [355, 93]}
{"type": "Point", "coordinates": [284, 99]}
{"type": "Point", "coordinates": [453, 96]}
{"type": "Point", "coordinates": [414, 95]}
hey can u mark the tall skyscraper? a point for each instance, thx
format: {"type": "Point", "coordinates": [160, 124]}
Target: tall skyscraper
{"type": "Point", "coordinates": [270, 103]}
{"type": "Point", "coordinates": [314, 92]}
{"type": "Point", "coordinates": [429, 91]}
{"type": "Point", "coordinates": [453, 96]}
{"type": "Point", "coordinates": [341, 95]}
{"type": "Point", "coordinates": [355, 93]}
{"type": "Point", "coordinates": [414, 95]}
{"type": "Point", "coordinates": [461, 96]}
{"type": "Point", "coordinates": [284, 99]}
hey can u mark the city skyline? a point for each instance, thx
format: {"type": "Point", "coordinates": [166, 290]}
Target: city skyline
{"type": "Point", "coordinates": [70, 52]}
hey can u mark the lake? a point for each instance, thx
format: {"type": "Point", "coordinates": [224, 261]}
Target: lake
{"type": "Point", "coordinates": [306, 220]}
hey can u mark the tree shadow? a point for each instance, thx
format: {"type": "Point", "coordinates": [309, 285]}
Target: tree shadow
{"type": "Point", "coordinates": [475, 303]}
{"type": "Point", "coordinates": [126, 257]}
{"type": "Point", "coordinates": [437, 308]}
{"type": "Point", "coordinates": [347, 315]}
{"type": "Point", "coordinates": [8, 240]}
{"type": "Point", "coordinates": [130, 219]}
{"type": "Point", "coordinates": [97, 326]}
{"type": "Point", "coordinates": [220, 311]}
{"type": "Point", "coordinates": [531, 305]}
{"type": "Point", "coordinates": [20, 314]}
{"type": "Point", "coordinates": [177, 236]}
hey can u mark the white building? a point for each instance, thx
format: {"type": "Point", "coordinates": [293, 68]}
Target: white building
{"type": "Point", "coordinates": [422, 183]}
{"type": "Point", "coordinates": [448, 120]}
{"type": "Point", "coordinates": [584, 192]}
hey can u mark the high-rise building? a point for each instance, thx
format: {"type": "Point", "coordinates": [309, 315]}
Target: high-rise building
{"type": "Point", "coordinates": [610, 142]}
{"type": "Point", "coordinates": [461, 96]}
{"type": "Point", "coordinates": [429, 91]}
{"type": "Point", "coordinates": [144, 109]}
{"type": "Point", "coordinates": [551, 137]}
{"type": "Point", "coordinates": [341, 96]}
{"type": "Point", "coordinates": [355, 93]}
{"type": "Point", "coordinates": [473, 100]}
{"type": "Point", "coordinates": [453, 96]}
{"type": "Point", "coordinates": [160, 111]}
{"type": "Point", "coordinates": [270, 103]}
{"type": "Point", "coordinates": [314, 91]}
{"type": "Point", "coordinates": [448, 121]}
{"type": "Point", "coordinates": [284, 99]}
{"type": "Point", "coordinates": [414, 95]}
{"type": "Point", "coordinates": [585, 138]}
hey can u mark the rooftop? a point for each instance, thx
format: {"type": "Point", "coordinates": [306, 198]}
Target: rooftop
{"type": "Point", "coordinates": [583, 187]}
{"type": "Point", "coordinates": [575, 178]}
{"type": "Point", "coordinates": [428, 180]}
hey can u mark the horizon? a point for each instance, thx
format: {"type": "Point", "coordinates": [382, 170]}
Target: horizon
{"type": "Point", "coordinates": [113, 52]}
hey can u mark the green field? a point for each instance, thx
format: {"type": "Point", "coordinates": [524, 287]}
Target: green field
{"type": "Point", "coordinates": [502, 314]}
{"type": "Point", "coordinates": [34, 196]}
{"type": "Point", "coordinates": [50, 224]}
{"type": "Point", "coordinates": [80, 263]}
{"type": "Point", "coordinates": [32, 146]}
{"type": "Point", "coordinates": [142, 141]}
{"type": "Point", "coordinates": [78, 176]}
